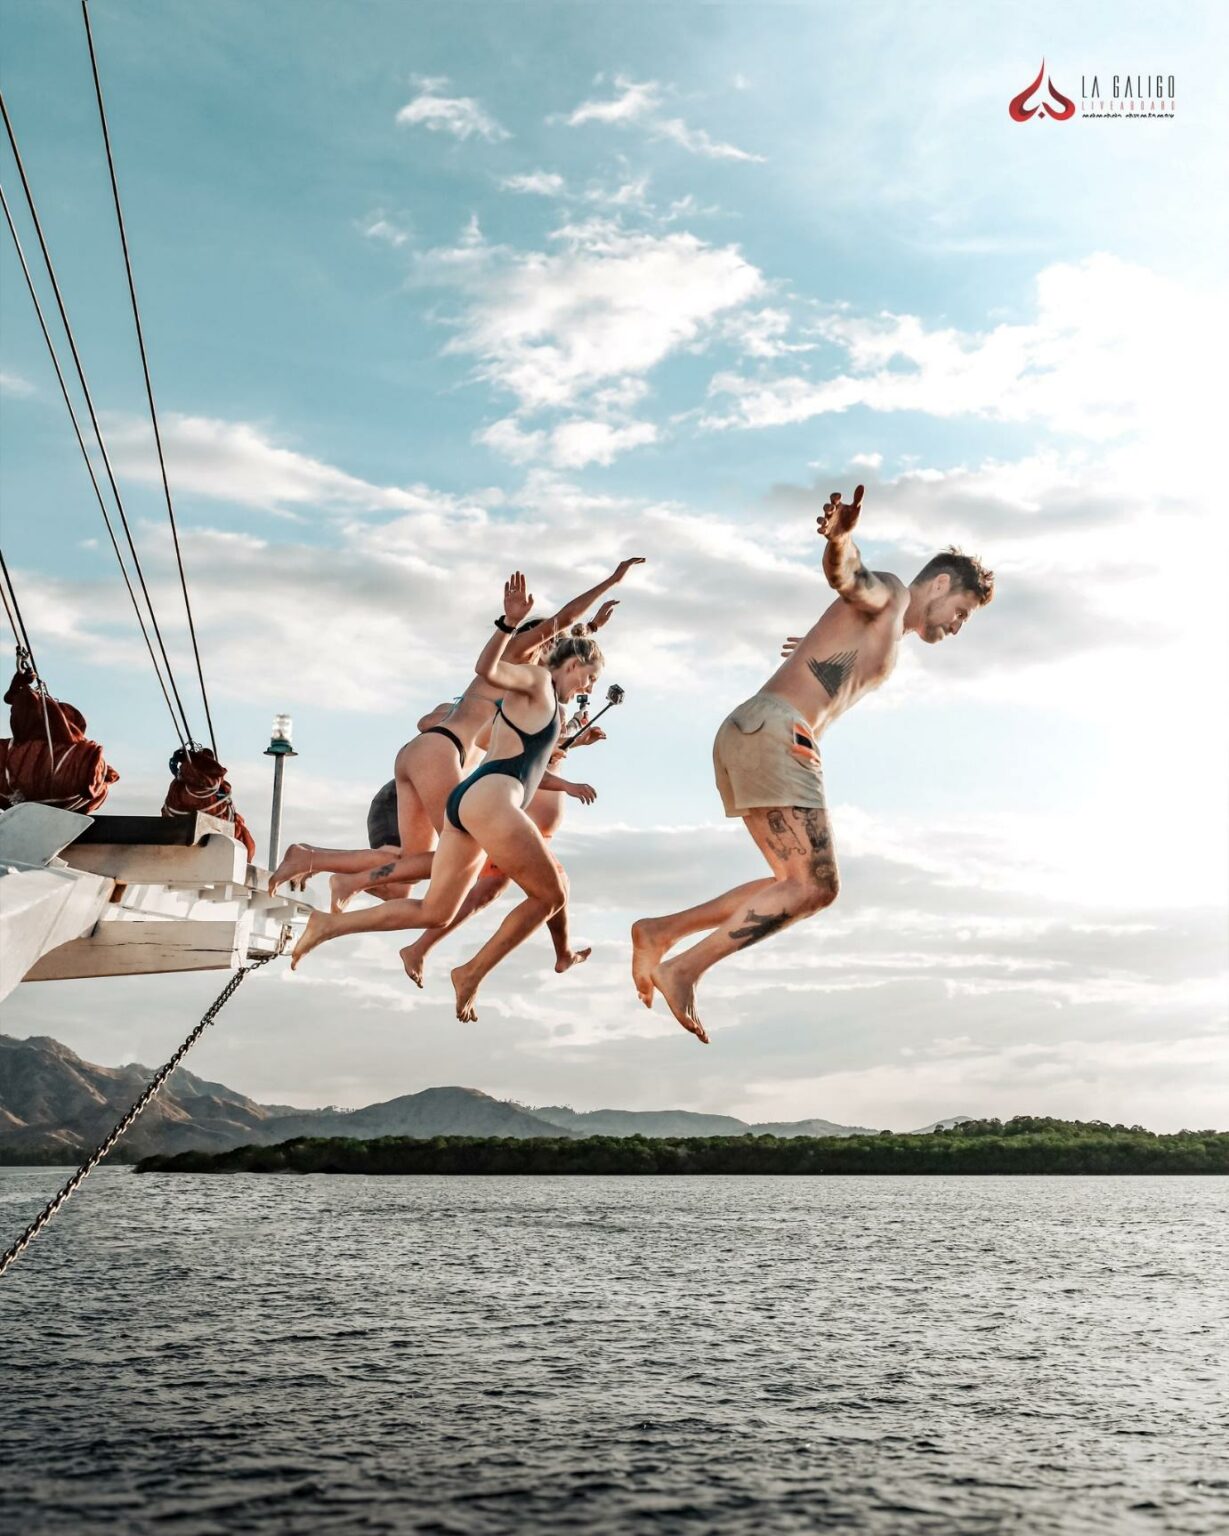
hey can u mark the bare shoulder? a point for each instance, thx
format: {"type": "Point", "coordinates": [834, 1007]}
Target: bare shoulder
{"type": "Point", "coordinates": [899, 600]}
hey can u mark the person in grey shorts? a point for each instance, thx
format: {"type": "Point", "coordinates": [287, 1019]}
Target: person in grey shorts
{"type": "Point", "coordinates": [382, 831]}
{"type": "Point", "coordinates": [766, 755]}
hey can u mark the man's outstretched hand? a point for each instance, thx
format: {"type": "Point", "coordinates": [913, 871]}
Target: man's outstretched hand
{"type": "Point", "coordinates": [624, 566]}
{"type": "Point", "coordinates": [838, 518]}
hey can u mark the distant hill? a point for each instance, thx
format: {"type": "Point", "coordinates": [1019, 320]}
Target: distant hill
{"type": "Point", "coordinates": [50, 1097]}
{"type": "Point", "coordinates": [682, 1122]}
{"type": "Point", "coordinates": [433, 1112]}
{"type": "Point", "coordinates": [52, 1103]}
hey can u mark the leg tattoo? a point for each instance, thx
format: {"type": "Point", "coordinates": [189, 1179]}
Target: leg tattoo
{"type": "Point", "coordinates": [758, 927]}
{"type": "Point", "coordinates": [777, 824]}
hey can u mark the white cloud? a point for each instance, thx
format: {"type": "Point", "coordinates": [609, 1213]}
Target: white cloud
{"type": "Point", "coordinates": [634, 103]}
{"type": "Point", "coordinates": [640, 102]}
{"type": "Point", "coordinates": [507, 438]}
{"type": "Point", "coordinates": [237, 461]}
{"type": "Point", "coordinates": [606, 303]}
{"type": "Point", "coordinates": [764, 333]}
{"type": "Point", "coordinates": [377, 226]}
{"type": "Point", "coordinates": [631, 193]}
{"type": "Point", "coordinates": [14, 384]}
{"type": "Point", "coordinates": [538, 183]}
{"type": "Point", "coordinates": [1075, 367]}
{"type": "Point", "coordinates": [577, 443]}
{"type": "Point", "coordinates": [697, 142]}
{"type": "Point", "coordinates": [1163, 1082]}
{"type": "Point", "coordinates": [460, 116]}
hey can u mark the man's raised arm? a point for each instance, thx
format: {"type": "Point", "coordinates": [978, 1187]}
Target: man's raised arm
{"type": "Point", "coordinates": [843, 566]}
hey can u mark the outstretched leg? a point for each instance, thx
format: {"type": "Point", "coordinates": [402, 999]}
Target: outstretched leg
{"type": "Point", "coordinates": [457, 861]}
{"type": "Point", "coordinates": [797, 842]}
{"type": "Point", "coordinates": [393, 870]}
{"type": "Point", "coordinates": [654, 937]}
{"type": "Point", "coordinates": [565, 956]}
{"type": "Point", "coordinates": [414, 956]}
{"type": "Point", "coordinates": [302, 860]}
{"type": "Point", "coordinates": [516, 845]}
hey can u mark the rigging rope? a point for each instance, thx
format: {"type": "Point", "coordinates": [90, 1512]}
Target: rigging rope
{"type": "Point", "coordinates": [102, 506]}
{"type": "Point", "coordinates": [152, 1089]}
{"type": "Point", "coordinates": [89, 401]}
{"type": "Point", "coordinates": [20, 633]}
{"type": "Point", "coordinates": [149, 388]}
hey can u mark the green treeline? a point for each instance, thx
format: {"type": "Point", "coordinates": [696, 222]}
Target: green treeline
{"type": "Point", "coordinates": [1024, 1145]}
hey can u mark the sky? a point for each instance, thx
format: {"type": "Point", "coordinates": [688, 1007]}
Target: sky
{"type": "Point", "coordinates": [433, 292]}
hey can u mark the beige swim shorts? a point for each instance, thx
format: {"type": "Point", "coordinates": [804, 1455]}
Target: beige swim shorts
{"type": "Point", "coordinates": [765, 755]}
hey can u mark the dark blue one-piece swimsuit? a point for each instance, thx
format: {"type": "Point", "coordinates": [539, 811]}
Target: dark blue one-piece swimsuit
{"type": "Point", "coordinates": [528, 765]}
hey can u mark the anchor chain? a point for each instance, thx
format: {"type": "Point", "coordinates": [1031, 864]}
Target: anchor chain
{"type": "Point", "coordinates": [152, 1089]}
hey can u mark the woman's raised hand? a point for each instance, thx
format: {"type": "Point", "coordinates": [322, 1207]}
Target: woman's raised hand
{"type": "Point", "coordinates": [517, 602]}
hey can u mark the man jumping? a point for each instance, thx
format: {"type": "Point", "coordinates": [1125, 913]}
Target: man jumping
{"type": "Point", "coordinates": [766, 756]}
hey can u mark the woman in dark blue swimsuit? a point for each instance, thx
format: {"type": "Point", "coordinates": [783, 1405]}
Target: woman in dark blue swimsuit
{"type": "Point", "coordinates": [485, 813]}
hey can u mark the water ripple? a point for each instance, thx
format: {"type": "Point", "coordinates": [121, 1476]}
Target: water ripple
{"type": "Point", "coordinates": [744, 1355]}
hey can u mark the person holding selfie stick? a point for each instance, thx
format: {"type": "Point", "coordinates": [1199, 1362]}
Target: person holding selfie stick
{"type": "Point", "coordinates": [485, 812]}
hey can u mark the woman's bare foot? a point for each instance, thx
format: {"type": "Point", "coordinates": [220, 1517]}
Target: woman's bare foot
{"type": "Point", "coordinates": [296, 865]}
{"type": "Point", "coordinates": [680, 996]}
{"type": "Point", "coordinates": [318, 929]}
{"type": "Point", "coordinates": [648, 946]}
{"type": "Point", "coordinates": [342, 891]}
{"type": "Point", "coordinates": [573, 957]}
{"type": "Point", "coordinates": [414, 959]}
{"type": "Point", "coordinates": [466, 986]}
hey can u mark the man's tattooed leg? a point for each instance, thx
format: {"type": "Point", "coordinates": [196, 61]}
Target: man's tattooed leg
{"type": "Point", "coordinates": [759, 927]}
{"type": "Point", "coordinates": [777, 824]}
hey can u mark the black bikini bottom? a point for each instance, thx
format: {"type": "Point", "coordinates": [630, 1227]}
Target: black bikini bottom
{"type": "Point", "coordinates": [440, 730]}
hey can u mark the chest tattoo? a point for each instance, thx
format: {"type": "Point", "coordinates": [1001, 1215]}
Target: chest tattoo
{"type": "Point", "coordinates": [833, 670]}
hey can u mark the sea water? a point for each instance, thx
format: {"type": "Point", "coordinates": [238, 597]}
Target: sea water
{"type": "Point", "coordinates": [241, 1353]}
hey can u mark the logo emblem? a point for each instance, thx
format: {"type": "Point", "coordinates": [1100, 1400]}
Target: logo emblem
{"type": "Point", "coordinates": [1060, 109]}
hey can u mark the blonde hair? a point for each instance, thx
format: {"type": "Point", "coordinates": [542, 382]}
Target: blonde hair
{"type": "Point", "coordinates": [583, 647]}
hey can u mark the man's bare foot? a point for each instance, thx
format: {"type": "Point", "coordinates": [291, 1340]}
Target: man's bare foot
{"type": "Point", "coordinates": [680, 996]}
{"type": "Point", "coordinates": [318, 929]}
{"type": "Point", "coordinates": [466, 985]}
{"type": "Point", "coordinates": [573, 957]}
{"type": "Point", "coordinates": [342, 890]}
{"type": "Point", "coordinates": [296, 865]}
{"type": "Point", "coordinates": [648, 946]}
{"type": "Point", "coordinates": [414, 959]}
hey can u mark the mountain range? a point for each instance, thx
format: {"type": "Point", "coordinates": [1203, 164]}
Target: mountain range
{"type": "Point", "coordinates": [50, 1098]}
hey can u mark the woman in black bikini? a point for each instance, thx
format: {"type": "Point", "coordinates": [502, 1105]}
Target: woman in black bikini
{"type": "Point", "coordinates": [450, 742]}
{"type": "Point", "coordinates": [485, 812]}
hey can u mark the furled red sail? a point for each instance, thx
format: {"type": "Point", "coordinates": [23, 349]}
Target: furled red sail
{"type": "Point", "coordinates": [48, 758]}
{"type": "Point", "coordinates": [200, 784]}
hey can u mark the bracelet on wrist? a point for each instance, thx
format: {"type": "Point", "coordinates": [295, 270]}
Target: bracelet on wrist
{"type": "Point", "coordinates": [502, 623]}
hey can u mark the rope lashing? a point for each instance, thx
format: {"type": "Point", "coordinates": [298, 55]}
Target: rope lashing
{"type": "Point", "coordinates": [152, 1089]}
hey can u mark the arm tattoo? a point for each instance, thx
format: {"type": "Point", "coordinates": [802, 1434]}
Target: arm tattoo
{"type": "Point", "coordinates": [757, 927]}
{"type": "Point", "coordinates": [833, 670]}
